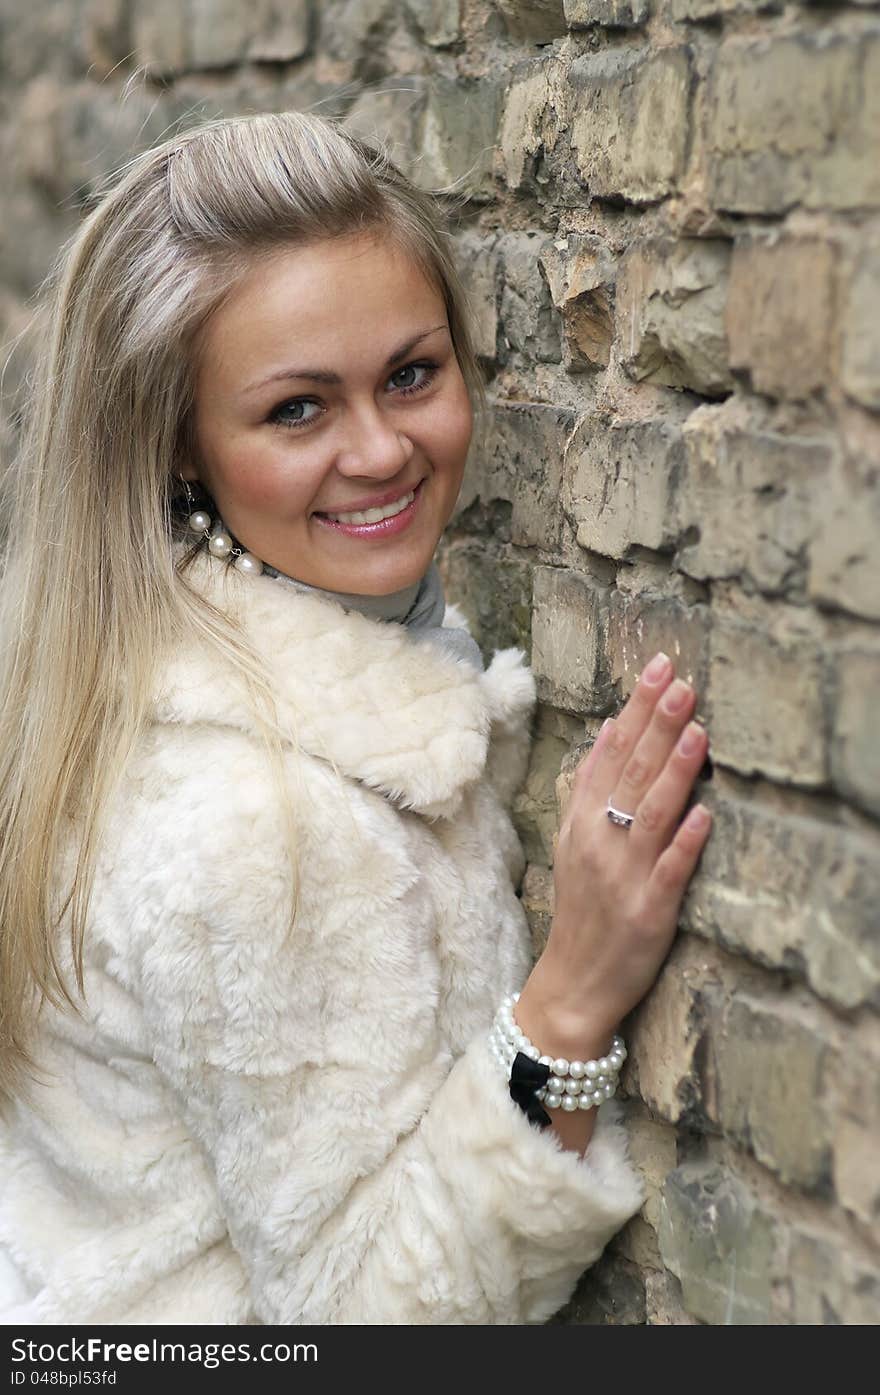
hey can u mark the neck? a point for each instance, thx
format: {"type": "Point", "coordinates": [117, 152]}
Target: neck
{"type": "Point", "coordinates": [420, 603]}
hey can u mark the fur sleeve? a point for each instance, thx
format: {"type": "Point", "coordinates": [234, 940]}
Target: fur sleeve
{"type": "Point", "coordinates": [366, 1173]}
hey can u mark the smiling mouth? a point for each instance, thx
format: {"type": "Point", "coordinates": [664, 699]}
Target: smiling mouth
{"type": "Point", "coordinates": [377, 515]}
{"type": "Point", "coordinates": [376, 523]}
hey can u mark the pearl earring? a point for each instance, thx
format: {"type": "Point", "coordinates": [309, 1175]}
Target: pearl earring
{"type": "Point", "coordinates": [221, 544]}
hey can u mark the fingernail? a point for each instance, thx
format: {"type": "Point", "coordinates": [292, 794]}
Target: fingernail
{"type": "Point", "coordinates": [657, 667]}
{"type": "Point", "coordinates": [690, 738]}
{"type": "Point", "coordinates": [607, 723]}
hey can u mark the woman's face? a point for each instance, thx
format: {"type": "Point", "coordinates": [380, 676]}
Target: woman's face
{"type": "Point", "coordinates": [327, 383]}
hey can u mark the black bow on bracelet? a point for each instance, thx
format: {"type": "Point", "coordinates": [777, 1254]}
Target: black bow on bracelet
{"type": "Point", "coordinates": [527, 1076]}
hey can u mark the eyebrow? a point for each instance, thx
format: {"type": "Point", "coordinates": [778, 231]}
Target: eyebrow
{"type": "Point", "coordinates": [323, 375]}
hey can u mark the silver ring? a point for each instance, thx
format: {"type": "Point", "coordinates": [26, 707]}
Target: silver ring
{"type": "Point", "coordinates": [618, 816]}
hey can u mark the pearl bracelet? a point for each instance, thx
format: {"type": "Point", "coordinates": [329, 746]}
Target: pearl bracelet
{"type": "Point", "coordinates": [570, 1085]}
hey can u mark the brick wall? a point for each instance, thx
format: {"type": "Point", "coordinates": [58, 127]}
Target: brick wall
{"type": "Point", "coordinates": [673, 245]}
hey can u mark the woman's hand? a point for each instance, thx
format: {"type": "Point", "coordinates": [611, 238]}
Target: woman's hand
{"type": "Point", "coordinates": [618, 891]}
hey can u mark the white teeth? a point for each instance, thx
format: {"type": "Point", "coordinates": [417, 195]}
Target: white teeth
{"type": "Point", "coordinates": [375, 515]}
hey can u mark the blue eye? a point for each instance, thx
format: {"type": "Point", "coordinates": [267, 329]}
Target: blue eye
{"type": "Point", "coordinates": [278, 415]}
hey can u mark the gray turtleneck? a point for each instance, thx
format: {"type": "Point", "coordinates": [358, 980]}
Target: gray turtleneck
{"type": "Point", "coordinates": [420, 607]}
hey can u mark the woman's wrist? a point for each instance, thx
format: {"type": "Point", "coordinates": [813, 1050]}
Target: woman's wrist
{"type": "Point", "coordinates": [563, 1023]}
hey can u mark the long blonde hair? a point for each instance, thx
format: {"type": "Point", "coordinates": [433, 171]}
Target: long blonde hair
{"type": "Point", "coordinates": [90, 594]}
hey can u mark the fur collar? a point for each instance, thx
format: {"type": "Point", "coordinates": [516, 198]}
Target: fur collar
{"type": "Point", "coordinates": [405, 718]}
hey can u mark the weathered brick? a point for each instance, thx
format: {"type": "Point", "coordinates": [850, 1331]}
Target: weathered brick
{"type": "Point", "coordinates": [855, 748]}
{"type": "Point", "coordinates": [671, 301]}
{"type": "Point", "coordinates": [537, 902]}
{"type": "Point", "coordinates": [610, 1294]}
{"type": "Point", "coordinates": [479, 265]}
{"type": "Point", "coordinates": [534, 807]}
{"type": "Point", "coordinates": [223, 32]}
{"type": "Point", "coordinates": [391, 113]}
{"type": "Point", "coordinates": [667, 1031]}
{"type": "Point", "coordinates": [493, 588]}
{"type": "Point", "coordinates": [829, 1282]}
{"type": "Point", "coordinates": [520, 463]}
{"type": "Point", "coordinates": [779, 314]}
{"type": "Point", "coordinates": [530, 324]}
{"type": "Point", "coordinates": [765, 703]}
{"type": "Point", "coordinates": [533, 21]}
{"type": "Point", "coordinates": [719, 1241]}
{"type": "Point", "coordinates": [439, 21]}
{"type": "Point", "coordinates": [794, 119]}
{"type": "Point", "coordinates": [860, 365]}
{"type": "Point", "coordinates": [160, 37]}
{"type": "Point", "coordinates": [459, 133]}
{"type": "Point", "coordinates": [522, 124]}
{"type": "Point", "coordinates": [619, 486]}
{"type": "Point", "coordinates": [580, 274]}
{"type": "Point", "coordinates": [568, 618]}
{"type": "Point", "coordinates": [641, 623]}
{"type": "Point", "coordinates": [712, 9]}
{"type": "Point", "coordinates": [613, 14]}
{"type": "Point", "coordinates": [770, 1066]}
{"type": "Point", "coordinates": [664, 1302]}
{"type": "Point", "coordinates": [792, 892]}
{"type": "Point", "coordinates": [844, 564]}
{"type": "Point", "coordinates": [621, 100]}
{"type": "Point", "coordinates": [856, 1129]}
{"type": "Point", "coordinates": [747, 497]}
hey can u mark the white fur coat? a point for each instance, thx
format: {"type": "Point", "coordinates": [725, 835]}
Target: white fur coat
{"type": "Point", "coordinates": [249, 1127]}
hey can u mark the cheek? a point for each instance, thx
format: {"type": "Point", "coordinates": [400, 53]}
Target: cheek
{"type": "Point", "coordinates": [264, 477]}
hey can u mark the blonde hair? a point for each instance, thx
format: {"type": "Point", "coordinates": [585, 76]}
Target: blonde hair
{"type": "Point", "coordinates": [91, 595]}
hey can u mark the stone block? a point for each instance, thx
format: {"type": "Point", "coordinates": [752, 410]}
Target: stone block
{"type": "Point", "coordinates": [671, 300]}
{"type": "Point", "coordinates": [844, 566]}
{"type": "Point", "coordinates": [640, 623]}
{"type": "Point", "coordinates": [459, 134]}
{"type": "Point", "coordinates": [829, 1282]}
{"type": "Point", "coordinates": [715, 9]}
{"type": "Point", "coordinates": [521, 134]}
{"type": "Point", "coordinates": [390, 113]}
{"type": "Point", "coordinates": [493, 588]}
{"type": "Point", "coordinates": [619, 489]}
{"type": "Point", "coordinates": [664, 1302]}
{"type": "Point", "coordinates": [719, 1240]}
{"type": "Point", "coordinates": [667, 1032]}
{"type": "Point", "coordinates": [160, 37]}
{"type": "Point", "coordinates": [856, 1128]}
{"type": "Point", "coordinates": [537, 902]}
{"type": "Point", "coordinates": [770, 1065]}
{"type": "Point", "coordinates": [580, 271]}
{"type": "Point", "coordinates": [533, 21]}
{"type": "Point", "coordinates": [520, 463]}
{"type": "Point", "coordinates": [779, 314]}
{"type": "Point", "coordinates": [794, 118]}
{"type": "Point", "coordinates": [855, 747]}
{"type": "Point", "coordinates": [611, 14]}
{"type": "Point", "coordinates": [747, 497]}
{"type": "Point", "coordinates": [765, 703]}
{"type": "Point", "coordinates": [860, 363]}
{"type": "Point", "coordinates": [610, 1294]}
{"type": "Point", "coordinates": [529, 323]}
{"type": "Point", "coordinates": [225, 32]}
{"type": "Point", "coordinates": [568, 620]}
{"type": "Point", "coordinates": [97, 128]}
{"type": "Point", "coordinates": [794, 893]}
{"type": "Point", "coordinates": [439, 21]}
{"type": "Point", "coordinates": [653, 1148]}
{"type": "Point", "coordinates": [622, 98]}
{"type": "Point", "coordinates": [534, 806]}
{"type": "Point", "coordinates": [479, 266]}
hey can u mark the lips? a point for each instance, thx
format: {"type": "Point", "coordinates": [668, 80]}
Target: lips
{"type": "Point", "coordinates": [378, 501]}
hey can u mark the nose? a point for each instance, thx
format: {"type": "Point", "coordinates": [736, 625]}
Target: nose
{"type": "Point", "coordinates": [372, 446]}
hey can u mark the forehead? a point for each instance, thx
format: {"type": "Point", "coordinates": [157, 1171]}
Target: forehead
{"type": "Point", "coordinates": [327, 296]}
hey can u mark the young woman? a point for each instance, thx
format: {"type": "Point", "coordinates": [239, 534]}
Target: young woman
{"type": "Point", "coordinates": [257, 871]}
